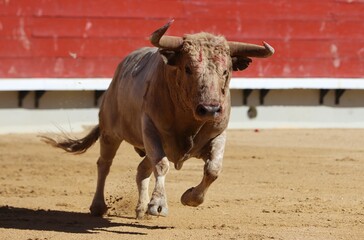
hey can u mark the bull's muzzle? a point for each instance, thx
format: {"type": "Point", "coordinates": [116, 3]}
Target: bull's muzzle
{"type": "Point", "coordinates": [208, 111]}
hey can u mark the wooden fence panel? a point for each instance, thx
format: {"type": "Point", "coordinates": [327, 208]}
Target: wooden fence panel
{"type": "Point", "coordinates": [77, 38]}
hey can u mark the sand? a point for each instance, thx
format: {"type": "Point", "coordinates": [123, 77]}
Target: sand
{"type": "Point", "coordinates": [276, 184]}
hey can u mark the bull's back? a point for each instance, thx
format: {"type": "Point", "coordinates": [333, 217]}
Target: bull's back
{"type": "Point", "coordinates": [121, 110]}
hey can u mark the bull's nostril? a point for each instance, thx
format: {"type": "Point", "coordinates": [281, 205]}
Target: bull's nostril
{"type": "Point", "coordinates": [208, 110]}
{"type": "Point", "coordinates": [201, 110]}
{"type": "Point", "coordinates": [213, 109]}
{"type": "Point", "coordinates": [159, 209]}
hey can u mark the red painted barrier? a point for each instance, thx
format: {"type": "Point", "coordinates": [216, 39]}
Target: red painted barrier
{"type": "Point", "coordinates": [77, 38]}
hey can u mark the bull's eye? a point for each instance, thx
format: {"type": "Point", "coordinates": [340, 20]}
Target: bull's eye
{"type": "Point", "coordinates": [226, 75]}
{"type": "Point", "coordinates": [188, 70]}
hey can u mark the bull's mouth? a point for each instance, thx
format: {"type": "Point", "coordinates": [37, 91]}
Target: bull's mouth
{"type": "Point", "coordinates": [208, 111]}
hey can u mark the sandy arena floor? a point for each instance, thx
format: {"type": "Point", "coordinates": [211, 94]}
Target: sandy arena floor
{"type": "Point", "coordinates": [276, 184]}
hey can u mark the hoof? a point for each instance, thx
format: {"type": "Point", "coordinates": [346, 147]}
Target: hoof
{"type": "Point", "coordinates": [158, 211]}
{"type": "Point", "coordinates": [190, 198]}
{"type": "Point", "coordinates": [158, 207]}
{"type": "Point", "coordinates": [98, 210]}
{"type": "Point", "coordinates": [140, 215]}
{"type": "Point", "coordinates": [140, 212]}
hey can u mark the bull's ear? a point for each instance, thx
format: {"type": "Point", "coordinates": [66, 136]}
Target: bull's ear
{"type": "Point", "coordinates": [169, 57]}
{"type": "Point", "coordinates": [240, 63]}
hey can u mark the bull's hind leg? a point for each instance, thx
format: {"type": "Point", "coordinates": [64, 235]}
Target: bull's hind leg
{"type": "Point", "coordinates": [213, 165]}
{"type": "Point", "coordinates": [108, 148]}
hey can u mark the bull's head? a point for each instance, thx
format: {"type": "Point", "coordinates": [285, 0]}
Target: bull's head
{"type": "Point", "coordinates": [202, 65]}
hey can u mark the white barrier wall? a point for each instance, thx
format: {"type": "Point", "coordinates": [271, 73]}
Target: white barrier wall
{"type": "Point", "coordinates": [72, 106]}
{"type": "Point", "coordinates": [298, 109]}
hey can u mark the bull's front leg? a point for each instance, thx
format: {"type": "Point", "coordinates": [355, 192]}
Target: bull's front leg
{"type": "Point", "coordinates": [213, 166]}
{"type": "Point", "coordinates": [158, 204]}
{"type": "Point", "coordinates": [145, 169]}
{"type": "Point", "coordinates": [160, 165]}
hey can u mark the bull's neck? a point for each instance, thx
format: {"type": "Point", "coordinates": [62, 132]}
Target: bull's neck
{"type": "Point", "coordinates": [176, 92]}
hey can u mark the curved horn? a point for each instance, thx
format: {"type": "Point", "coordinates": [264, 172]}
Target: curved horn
{"type": "Point", "coordinates": [165, 42]}
{"type": "Point", "coordinates": [250, 50]}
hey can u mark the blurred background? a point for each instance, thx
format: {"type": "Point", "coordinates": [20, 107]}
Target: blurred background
{"type": "Point", "coordinates": [315, 78]}
{"type": "Point", "coordinates": [77, 38]}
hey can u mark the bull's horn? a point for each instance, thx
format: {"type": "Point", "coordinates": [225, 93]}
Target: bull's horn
{"type": "Point", "coordinates": [165, 42]}
{"type": "Point", "coordinates": [250, 50]}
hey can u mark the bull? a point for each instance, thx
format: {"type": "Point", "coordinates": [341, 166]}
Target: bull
{"type": "Point", "coordinates": [171, 102]}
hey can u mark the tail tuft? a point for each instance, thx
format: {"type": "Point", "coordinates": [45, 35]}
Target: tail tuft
{"type": "Point", "coordinates": [76, 146]}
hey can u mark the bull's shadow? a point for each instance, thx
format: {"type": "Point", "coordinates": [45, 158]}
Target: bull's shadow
{"type": "Point", "coordinates": [62, 221]}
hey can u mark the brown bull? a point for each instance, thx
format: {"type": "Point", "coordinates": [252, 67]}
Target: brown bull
{"type": "Point", "coordinates": [171, 103]}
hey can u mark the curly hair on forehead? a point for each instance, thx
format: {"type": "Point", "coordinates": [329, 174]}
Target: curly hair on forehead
{"type": "Point", "coordinates": [201, 45]}
{"type": "Point", "coordinates": [206, 39]}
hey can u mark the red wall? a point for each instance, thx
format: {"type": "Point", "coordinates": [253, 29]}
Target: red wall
{"type": "Point", "coordinates": [87, 38]}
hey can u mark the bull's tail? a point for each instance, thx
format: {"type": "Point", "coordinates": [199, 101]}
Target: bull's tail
{"type": "Point", "coordinates": [76, 146]}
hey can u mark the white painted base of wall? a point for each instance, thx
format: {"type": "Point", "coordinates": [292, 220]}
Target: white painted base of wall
{"type": "Point", "coordinates": [297, 117]}
{"type": "Point", "coordinates": [282, 108]}
{"type": "Point", "coordinates": [75, 120]}
{"type": "Point", "coordinates": [46, 120]}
